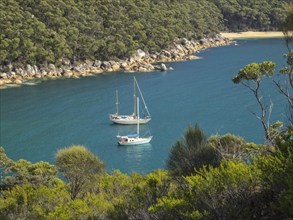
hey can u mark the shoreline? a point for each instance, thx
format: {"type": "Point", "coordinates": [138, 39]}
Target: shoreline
{"type": "Point", "coordinates": [141, 61]}
{"type": "Point", "coordinates": [182, 49]}
{"type": "Point", "coordinates": [252, 35]}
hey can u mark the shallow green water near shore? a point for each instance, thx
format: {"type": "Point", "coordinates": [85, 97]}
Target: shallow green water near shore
{"type": "Point", "coordinates": [37, 120]}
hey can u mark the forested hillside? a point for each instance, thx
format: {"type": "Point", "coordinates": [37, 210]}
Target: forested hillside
{"type": "Point", "coordinates": [243, 15]}
{"type": "Point", "coordinates": [45, 31]}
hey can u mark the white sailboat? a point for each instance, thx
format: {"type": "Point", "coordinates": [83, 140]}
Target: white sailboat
{"type": "Point", "coordinates": [134, 139]}
{"type": "Point", "coordinates": [130, 119]}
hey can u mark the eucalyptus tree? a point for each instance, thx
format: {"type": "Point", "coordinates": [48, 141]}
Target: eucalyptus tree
{"type": "Point", "coordinates": [30, 202]}
{"type": "Point", "coordinates": [284, 80]}
{"type": "Point", "coordinates": [136, 193]}
{"type": "Point", "coordinates": [14, 173]}
{"type": "Point", "coordinates": [4, 160]}
{"type": "Point", "coordinates": [5, 163]}
{"type": "Point", "coordinates": [38, 174]}
{"type": "Point", "coordinates": [78, 165]}
{"type": "Point", "coordinates": [287, 27]}
{"type": "Point", "coordinates": [191, 152]}
{"type": "Point", "coordinates": [251, 76]}
{"type": "Point", "coordinates": [230, 191]}
{"type": "Point", "coordinates": [230, 147]}
{"type": "Point", "coordinates": [277, 176]}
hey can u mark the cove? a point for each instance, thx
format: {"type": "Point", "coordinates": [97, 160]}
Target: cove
{"type": "Point", "coordinates": [37, 120]}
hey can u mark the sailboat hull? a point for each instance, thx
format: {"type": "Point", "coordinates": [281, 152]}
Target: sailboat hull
{"type": "Point", "coordinates": [134, 141]}
{"type": "Point", "coordinates": [131, 119]}
{"type": "Point", "coordinates": [127, 119]}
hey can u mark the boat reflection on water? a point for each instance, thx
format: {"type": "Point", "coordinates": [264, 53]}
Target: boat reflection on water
{"type": "Point", "coordinates": [137, 156]}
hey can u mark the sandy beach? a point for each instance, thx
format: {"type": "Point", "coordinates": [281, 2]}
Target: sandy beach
{"type": "Point", "coordinates": [253, 34]}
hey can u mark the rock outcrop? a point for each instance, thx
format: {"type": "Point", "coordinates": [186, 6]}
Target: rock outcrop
{"type": "Point", "coordinates": [141, 61]}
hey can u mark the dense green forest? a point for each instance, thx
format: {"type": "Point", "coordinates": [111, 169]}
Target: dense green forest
{"type": "Point", "coordinates": [217, 177]}
{"type": "Point", "coordinates": [206, 179]}
{"type": "Point", "coordinates": [47, 31]}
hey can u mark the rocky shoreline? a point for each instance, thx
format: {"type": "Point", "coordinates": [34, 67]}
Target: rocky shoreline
{"type": "Point", "coordinates": [182, 49]}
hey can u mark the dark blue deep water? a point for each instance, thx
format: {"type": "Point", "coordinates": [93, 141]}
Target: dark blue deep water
{"type": "Point", "coordinates": [38, 120]}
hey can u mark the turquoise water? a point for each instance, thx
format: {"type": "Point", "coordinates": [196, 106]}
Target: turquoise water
{"type": "Point", "coordinates": [38, 120]}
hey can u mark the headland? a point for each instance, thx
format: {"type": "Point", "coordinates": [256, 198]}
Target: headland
{"type": "Point", "coordinates": [141, 61]}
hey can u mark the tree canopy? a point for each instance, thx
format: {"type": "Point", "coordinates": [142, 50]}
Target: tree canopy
{"type": "Point", "coordinates": [47, 31]}
{"type": "Point", "coordinates": [191, 152]}
{"type": "Point", "coordinates": [260, 188]}
{"type": "Point", "coordinates": [78, 164]}
{"type": "Point", "coordinates": [235, 189]}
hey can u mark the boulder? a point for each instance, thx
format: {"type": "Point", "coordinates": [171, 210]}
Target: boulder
{"type": "Point", "coordinates": [18, 81]}
{"type": "Point", "coordinates": [3, 75]}
{"type": "Point", "coordinates": [97, 63]}
{"type": "Point", "coordinates": [142, 69]}
{"type": "Point", "coordinates": [97, 70]}
{"type": "Point", "coordinates": [65, 62]}
{"type": "Point", "coordinates": [161, 57]}
{"type": "Point", "coordinates": [67, 73]}
{"type": "Point", "coordinates": [166, 53]}
{"type": "Point", "coordinates": [43, 73]}
{"type": "Point", "coordinates": [139, 54]}
{"type": "Point", "coordinates": [145, 67]}
{"type": "Point", "coordinates": [184, 41]}
{"type": "Point", "coordinates": [116, 66]}
{"type": "Point", "coordinates": [36, 69]}
{"type": "Point", "coordinates": [18, 71]}
{"type": "Point", "coordinates": [52, 68]}
{"type": "Point", "coordinates": [131, 60]}
{"type": "Point", "coordinates": [150, 67]}
{"type": "Point", "coordinates": [49, 74]}
{"type": "Point", "coordinates": [195, 42]}
{"type": "Point", "coordinates": [191, 57]}
{"type": "Point", "coordinates": [157, 67]}
{"type": "Point", "coordinates": [203, 41]}
{"type": "Point", "coordinates": [88, 64]}
{"type": "Point", "coordinates": [174, 55]}
{"type": "Point", "coordinates": [154, 56]}
{"type": "Point", "coordinates": [12, 74]}
{"type": "Point", "coordinates": [5, 81]}
{"type": "Point", "coordinates": [163, 67]}
{"type": "Point", "coordinates": [21, 72]}
{"type": "Point", "coordinates": [29, 69]}
{"type": "Point", "coordinates": [123, 64]}
{"type": "Point", "coordinates": [105, 65]}
{"type": "Point", "coordinates": [77, 69]}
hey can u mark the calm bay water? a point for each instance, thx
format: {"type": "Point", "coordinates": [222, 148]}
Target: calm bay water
{"type": "Point", "coordinates": [38, 120]}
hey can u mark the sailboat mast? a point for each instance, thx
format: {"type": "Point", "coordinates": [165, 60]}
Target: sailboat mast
{"type": "Point", "coordinates": [145, 106]}
{"type": "Point", "coordinates": [137, 117]}
{"type": "Point", "coordinates": [117, 103]}
{"type": "Point", "coordinates": [134, 97]}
